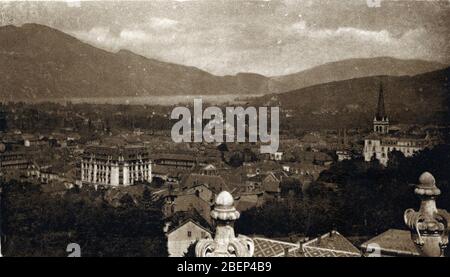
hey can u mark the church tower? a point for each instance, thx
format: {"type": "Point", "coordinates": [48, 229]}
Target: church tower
{"type": "Point", "coordinates": [381, 121]}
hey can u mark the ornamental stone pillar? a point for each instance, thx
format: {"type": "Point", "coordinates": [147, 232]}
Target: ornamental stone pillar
{"type": "Point", "coordinates": [225, 243]}
{"type": "Point", "coordinates": [429, 226]}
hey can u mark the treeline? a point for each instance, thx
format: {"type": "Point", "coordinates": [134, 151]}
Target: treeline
{"type": "Point", "coordinates": [38, 224]}
{"type": "Point", "coordinates": [354, 197]}
{"type": "Point", "coordinates": [87, 118]}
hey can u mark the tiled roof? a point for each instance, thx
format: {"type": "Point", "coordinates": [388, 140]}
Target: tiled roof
{"type": "Point", "coordinates": [128, 152]}
{"type": "Point", "coordinates": [243, 205]}
{"type": "Point", "coordinates": [279, 174]}
{"type": "Point", "coordinates": [182, 217]}
{"type": "Point", "coordinates": [394, 242]}
{"type": "Point", "coordinates": [271, 182]}
{"type": "Point", "coordinates": [171, 156]}
{"type": "Point", "coordinates": [272, 248]}
{"type": "Point", "coordinates": [332, 244]}
{"type": "Point", "coordinates": [215, 183]}
{"type": "Point", "coordinates": [257, 178]}
{"type": "Point", "coordinates": [397, 137]}
{"type": "Point", "coordinates": [168, 170]}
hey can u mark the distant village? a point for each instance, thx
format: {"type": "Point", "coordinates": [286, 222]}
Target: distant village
{"type": "Point", "coordinates": [125, 149]}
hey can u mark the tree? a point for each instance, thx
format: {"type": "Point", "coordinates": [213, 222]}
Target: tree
{"type": "Point", "coordinates": [190, 252]}
{"type": "Point", "coordinates": [356, 197]}
{"type": "Point", "coordinates": [236, 160]}
{"type": "Point", "coordinates": [40, 224]}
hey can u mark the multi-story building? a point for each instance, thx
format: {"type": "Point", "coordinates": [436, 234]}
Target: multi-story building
{"type": "Point", "coordinates": [379, 147]}
{"type": "Point", "coordinates": [116, 165]}
{"type": "Point", "coordinates": [182, 161]}
{"type": "Point", "coordinates": [13, 160]}
{"type": "Point", "coordinates": [380, 143]}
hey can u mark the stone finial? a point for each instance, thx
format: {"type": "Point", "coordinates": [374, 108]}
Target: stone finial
{"type": "Point", "coordinates": [427, 186]}
{"type": "Point", "coordinates": [429, 226]}
{"type": "Point", "coordinates": [225, 243]}
{"type": "Point", "coordinates": [224, 207]}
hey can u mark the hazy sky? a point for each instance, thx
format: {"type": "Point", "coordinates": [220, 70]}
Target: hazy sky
{"type": "Point", "coordinates": [266, 37]}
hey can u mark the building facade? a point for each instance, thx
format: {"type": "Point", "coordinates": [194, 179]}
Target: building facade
{"type": "Point", "coordinates": [180, 238]}
{"type": "Point", "coordinates": [380, 147]}
{"type": "Point", "coordinates": [116, 165]}
{"type": "Point", "coordinates": [380, 143]}
{"type": "Point", "coordinates": [176, 161]}
{"type": "Point", "coordinates": [12, 160]}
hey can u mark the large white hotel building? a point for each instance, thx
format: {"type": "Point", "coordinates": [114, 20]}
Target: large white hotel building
{"type": "Point", "coordinates": [116, 165]}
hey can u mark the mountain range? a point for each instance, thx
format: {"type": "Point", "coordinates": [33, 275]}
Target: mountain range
{"type": "Point", "coordinates": [39, 62]}
{"type": "Point", "coordinates": [419, 99]}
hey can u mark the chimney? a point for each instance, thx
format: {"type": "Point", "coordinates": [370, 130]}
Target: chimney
{"type": "Point", "coordinates": [300, 246]}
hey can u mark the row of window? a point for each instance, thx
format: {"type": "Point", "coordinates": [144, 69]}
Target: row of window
{"type": "Point", "coordinates": [203, 234]}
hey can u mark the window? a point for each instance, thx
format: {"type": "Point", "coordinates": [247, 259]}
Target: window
{"type": "Point", "coordinates": [189, 234]}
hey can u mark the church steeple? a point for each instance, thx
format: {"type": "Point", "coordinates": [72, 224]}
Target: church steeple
{"type": "Point", "coordinates": [381, 113]}
{"type": "Point", "coordinates": [381, 121]}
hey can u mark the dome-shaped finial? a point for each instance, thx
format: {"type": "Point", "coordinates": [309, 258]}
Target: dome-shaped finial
{"type": "Point", "coordinates": [225, 242]}
{"type": "Point", "coordinates": [427, 186]}
{"type": "Point", "coordinates": [224, 199]}
{"type": "Point", "coordinates": [427, 179]}
{"type": "Point", "coordinates": [224, 207]}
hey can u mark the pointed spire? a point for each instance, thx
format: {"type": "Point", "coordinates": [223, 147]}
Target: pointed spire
{"type": "Point", "coordinates": [381, 113]}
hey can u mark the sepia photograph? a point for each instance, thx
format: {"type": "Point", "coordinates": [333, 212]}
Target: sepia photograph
{"type": "Point", "coordinates": [225, 128]}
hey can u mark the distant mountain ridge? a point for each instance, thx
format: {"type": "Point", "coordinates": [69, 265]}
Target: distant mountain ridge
{"type": "Point", "coordinates": [355, 68]}
{"type": "Point", "coordinates": [39, 62]}
{"type": "Point", "coordinates": [420, 99]}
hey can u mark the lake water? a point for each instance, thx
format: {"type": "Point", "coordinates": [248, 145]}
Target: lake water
{"type": "Point", "coordinates": [158, 100]}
